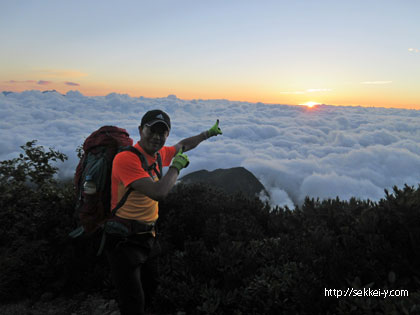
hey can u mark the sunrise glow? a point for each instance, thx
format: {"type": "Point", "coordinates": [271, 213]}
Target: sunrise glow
{"type": "Point", "coordinates": [111, 50]}
{"type": "Point", "coordinates": [309, 104]}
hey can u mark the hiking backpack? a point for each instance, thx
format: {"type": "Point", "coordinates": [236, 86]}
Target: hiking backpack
{"type": "Point", "coordinates": [95, 164]}
{"type": "Point", "coordinates": [100, 148]}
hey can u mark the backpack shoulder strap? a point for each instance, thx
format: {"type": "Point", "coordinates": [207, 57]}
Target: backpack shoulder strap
{"type": "Point", "coordinates": [142, 158]}
{"type": "Point", "coordinates": [122, 201]}
{"type": "Point", "coordinates": [144, 163]}
{"type": "Point", "coordinates": [159, 160]}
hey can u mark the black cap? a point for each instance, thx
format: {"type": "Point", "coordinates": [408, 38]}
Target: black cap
{"type": "Point", "coordinates": [156, 116]}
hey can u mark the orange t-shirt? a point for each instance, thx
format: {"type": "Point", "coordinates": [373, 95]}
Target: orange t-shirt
{"type": "Point", "coordinates": [127, 168]}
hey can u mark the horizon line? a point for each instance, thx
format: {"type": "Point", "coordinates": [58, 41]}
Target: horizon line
{"type": "Point", "coordinates": [212, 99]}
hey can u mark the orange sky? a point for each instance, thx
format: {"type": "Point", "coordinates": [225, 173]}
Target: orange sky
{"type": "Point", "coordinates": [329, 52]}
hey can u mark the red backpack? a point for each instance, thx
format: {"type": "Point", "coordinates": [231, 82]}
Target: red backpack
{"type": "Point", "coordinates": [93, 177]}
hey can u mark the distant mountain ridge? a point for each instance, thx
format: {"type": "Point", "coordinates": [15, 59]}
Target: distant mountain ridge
{"type": "Point", "coordinates": [231, 181]}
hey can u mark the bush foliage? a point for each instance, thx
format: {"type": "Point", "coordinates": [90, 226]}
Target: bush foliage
{"type": "Point", "coordinates": [222, 254]}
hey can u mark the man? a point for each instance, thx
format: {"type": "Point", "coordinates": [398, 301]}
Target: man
{"type": "Point", "coordinates": [133, 261]}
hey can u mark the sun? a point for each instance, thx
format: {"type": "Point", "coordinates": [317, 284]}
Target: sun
{"type": "Point", "coordinates": [310, 104]}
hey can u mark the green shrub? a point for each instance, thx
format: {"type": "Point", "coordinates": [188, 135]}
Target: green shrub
{"type": "Point", "coordinates": [36, 212]}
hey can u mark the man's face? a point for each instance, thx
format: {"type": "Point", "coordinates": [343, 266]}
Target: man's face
{"type": "Point", "coordinates": [153, 138]}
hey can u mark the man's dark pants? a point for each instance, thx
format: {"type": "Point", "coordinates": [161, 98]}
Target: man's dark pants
{"type": "Point", "coordinates": [135, 270]}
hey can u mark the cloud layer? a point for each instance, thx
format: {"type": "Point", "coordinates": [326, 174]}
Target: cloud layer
{"type": "Point", "coordinates": [295, 151]}
{"type": "Point", "coordinates": [42, 82]}
{"type": "Point", "coordinates": [71, 83]}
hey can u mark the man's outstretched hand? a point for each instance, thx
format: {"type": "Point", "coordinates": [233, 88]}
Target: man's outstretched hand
{"type": "Point", "coordinates": [215, 130]}
{"type": "Point", "coordinates": [180, 161]}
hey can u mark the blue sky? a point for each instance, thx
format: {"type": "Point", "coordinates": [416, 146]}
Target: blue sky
{"type": "Point", "coordinates": [287, 52]}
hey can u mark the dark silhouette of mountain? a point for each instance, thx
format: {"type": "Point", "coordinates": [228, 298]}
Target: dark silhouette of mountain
{"type": "Point", "coordinates": [232, 180]}
{"type": "Point", "coordinates": [5, 93]}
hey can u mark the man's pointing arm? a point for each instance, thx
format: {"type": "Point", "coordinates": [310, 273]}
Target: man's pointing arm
{"type": "Point", "coordinates": [191, 142]}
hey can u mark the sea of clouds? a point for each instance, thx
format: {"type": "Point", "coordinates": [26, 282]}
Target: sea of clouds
{"type": "Point", "coordinates": [295, 151]}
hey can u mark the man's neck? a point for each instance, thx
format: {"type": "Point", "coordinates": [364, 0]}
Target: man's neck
{"type": "Point", "coordinates": [153, 154]}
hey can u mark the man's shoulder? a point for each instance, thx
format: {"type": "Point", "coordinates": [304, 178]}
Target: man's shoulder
{"type": "Point", "coordinates": [125, 156]}
{"type": "Point", "coordinates": [167, 149]}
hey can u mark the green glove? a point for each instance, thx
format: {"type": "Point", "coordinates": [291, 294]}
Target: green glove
{"type": "Point", "coordinates": [180, 161]}
{"type": "Point", "coordinates": [215, 130]}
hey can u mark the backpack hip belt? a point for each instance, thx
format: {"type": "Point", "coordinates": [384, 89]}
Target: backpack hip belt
{"type": "Point", "coordinates": [134, 226]}
{"type": "Point", "coordinates": [124, 228]}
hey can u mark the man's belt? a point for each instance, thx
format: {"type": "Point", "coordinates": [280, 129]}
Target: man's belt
{"type": "Point", "coordinates": [134, 226]}
{"type": "Point", "coordinates": [125, 228]}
